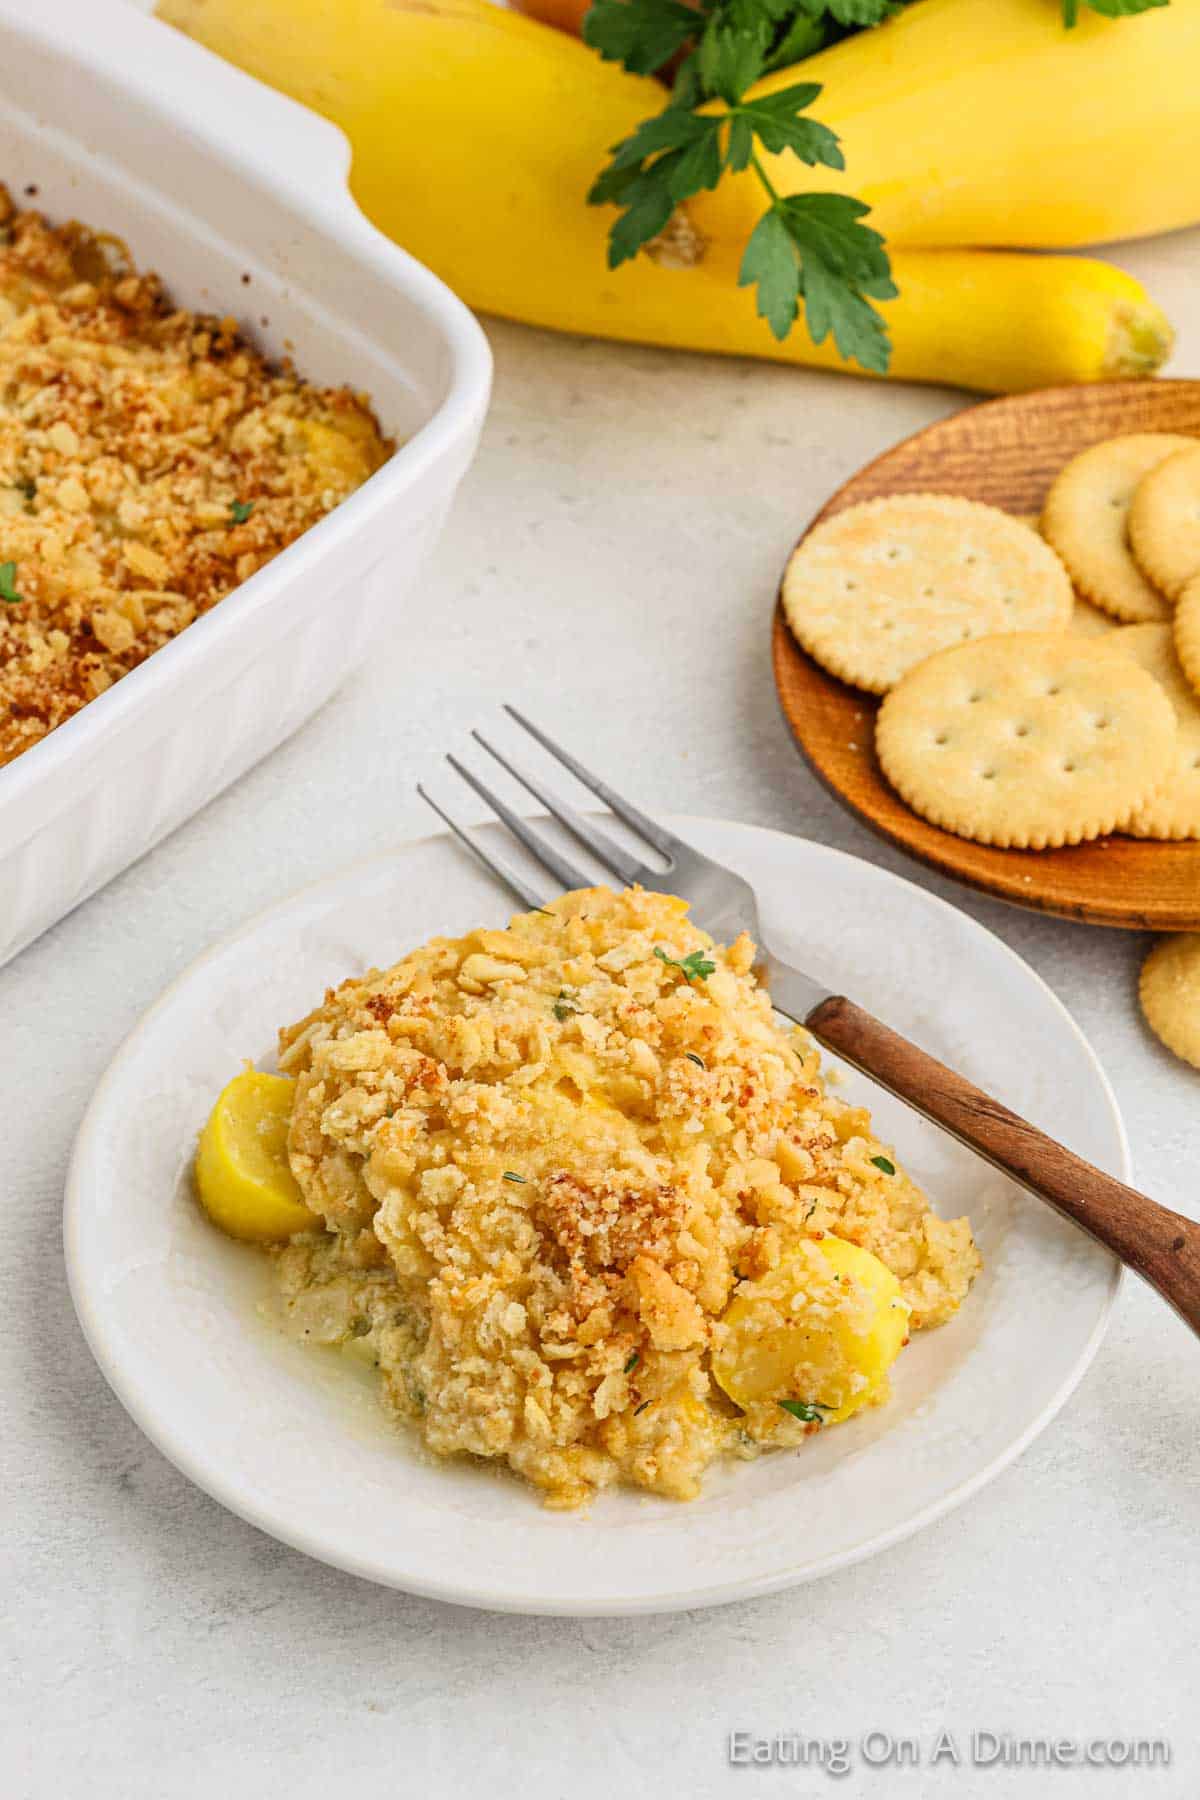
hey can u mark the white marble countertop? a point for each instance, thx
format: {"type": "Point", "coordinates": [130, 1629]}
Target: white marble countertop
{"type": "Point", "coordinates": [610, 565]}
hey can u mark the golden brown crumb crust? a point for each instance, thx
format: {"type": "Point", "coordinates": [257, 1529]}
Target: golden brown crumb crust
{"type": "Point", "coordinates": [133, 438]}
{"type": "Point", "coordinates": [546, 1159]}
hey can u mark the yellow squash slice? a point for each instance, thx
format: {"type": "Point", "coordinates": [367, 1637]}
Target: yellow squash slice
{"type": "Point", "coordinates": [816, 1335]}
{"type": "Point", "coordinates": [242, 1173]}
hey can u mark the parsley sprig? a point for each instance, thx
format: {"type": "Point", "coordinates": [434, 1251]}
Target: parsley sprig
{"type": "Point", "coordinates": [1108, 9]}
{"type": "Point", "coordinates": [694, 967]}
{"type": "Point", "coordinates": [8, 574]}
{"type": "Point", "coordinates": [807, 1411]}
{"type": "Point", "coordinates": [809, 250]}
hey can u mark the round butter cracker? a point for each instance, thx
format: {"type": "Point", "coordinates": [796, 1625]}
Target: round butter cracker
{"type": "Point", "coordinates": [1086, 518]}
{"type": "Point", "coordinates": [877, 588]}
{"type": "Point", "coordinates": [1170, 994]}
{"type": "Point", "coordinates": [1187, 632]}
{"type": "Point", "coordinates": [1085, 618]}
{"type": "Point", "coordinates": [1164, 521]}
{"type": "Point", "coordinates": [1030, 741]}
{"type": "Point", "coordinates": [1173, 811]}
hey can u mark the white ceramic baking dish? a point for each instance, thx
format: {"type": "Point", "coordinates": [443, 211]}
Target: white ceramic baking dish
{"type": "Point", "coordinates": [238, 198]}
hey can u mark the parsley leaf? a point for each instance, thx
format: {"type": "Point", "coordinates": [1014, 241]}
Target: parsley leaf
{"type": "Point", "coordinates": [730, 59]}
{"type": "Point", "coordinates": [648, 206]}
{"type": "Point", "coordinates": [564, 1006]}
{"type": "Point", "coordinates": [240, 511]}
{"type": "Point", "coordinates": [692, 1057]}
{"type": "Point", "coordinates": [776, 123]}
{"type": "Point", "coordinates": [672, 129]}
{"type": "Point", "coordinates": [817, 250]}
{"type": "Point", "coordinates": [885, 1163]}
{"type": "Point", "coordinates": [670, 156]}
{"type": "Point", "coordinates": [862, 12]}
{"type": "Point", "coordinates": [740, 150]}
{"type": "Point", "coordinates": [641, 36]}
{"type": "Point", "coordinates": [695, 967]}
{"type": "Point", "coordinates": [632, 1362]}
{"type": "Point", "coordinates": [8, 574]}
{"type": "Point", "coordinates": [770, 263]}
{"type": "Point", "coordinates": [509, 1176]}
{"type": "Point", "coordinates": [1109, 9]}
{"type": "Point", "coordinates": [808, 1411]}
{"type": "Point", "coordinates": [803, 37]}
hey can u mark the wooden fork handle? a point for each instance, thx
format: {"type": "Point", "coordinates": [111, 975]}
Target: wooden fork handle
{"type": "Point", "coordinates": [1159, 1245]}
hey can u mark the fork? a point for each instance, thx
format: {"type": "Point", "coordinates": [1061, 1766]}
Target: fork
{"type": "Point", "coordinates": [1161, 1246]}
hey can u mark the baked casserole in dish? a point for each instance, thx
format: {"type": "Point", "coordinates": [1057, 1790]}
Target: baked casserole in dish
{"type": "Point", "coordinates": [151, 460]}
{"type": "Point", "coordinates": [114, 118]}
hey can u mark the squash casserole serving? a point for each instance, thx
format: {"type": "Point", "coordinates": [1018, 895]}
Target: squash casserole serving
{"type": "Point", "coordinates": [150, 461]}
{"type": "Point", "coordinates": [582, 1202]}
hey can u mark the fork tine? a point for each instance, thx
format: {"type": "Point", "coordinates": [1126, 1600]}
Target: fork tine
{"type": "Point", "coordinates": [495, 864]}
{"type": "Point", "coordinates": [538, 846]}
{"type": "Point", "coordinates": [598, 842]}
{"type": "Point", "coordinates": [657, 835]}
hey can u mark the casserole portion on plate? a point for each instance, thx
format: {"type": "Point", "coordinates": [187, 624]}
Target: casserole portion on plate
{"type": "Point", "coordinates": [586, 1207]}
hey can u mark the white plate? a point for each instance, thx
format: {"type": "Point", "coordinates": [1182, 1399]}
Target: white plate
{"type": "Point", "coordinates": [293, 1438]}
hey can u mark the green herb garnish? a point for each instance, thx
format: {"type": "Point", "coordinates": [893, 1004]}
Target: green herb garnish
{"type": "Point", "coordinates": [240, 511]}
{"type": "Point", "coordinates": [808, 1411]}
{"type": "Point", "coordinates": [808, 250]}
{"type": "Point", "coordinates": [633, 1362]}
{"type": "Point", "coordinates": [692, 1057]}
{"type": "Point", "coordinates": [564, 1007]}
{"type": "Point", "coordinates": [885, 1163]}
{"type": "Point", "coordinates": [8, 574]}
{"type": "Point", "coordinates": [509, 1176]}
{"type": "Point", "coordinates": [695, 967]}
{"type": "Point", "coordinates": [641, 1408]}
{"type": "Point", "coordinates": [1109, 9]}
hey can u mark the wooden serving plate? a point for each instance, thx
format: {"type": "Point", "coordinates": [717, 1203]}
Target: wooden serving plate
{"type": "Point", "coordinates": [1006, 452]}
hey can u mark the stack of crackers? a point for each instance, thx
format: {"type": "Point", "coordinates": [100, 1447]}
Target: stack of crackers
{"type": "Point", "coordinates": [1041, 677]}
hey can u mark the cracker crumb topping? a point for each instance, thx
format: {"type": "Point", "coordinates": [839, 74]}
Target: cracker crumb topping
{"type": "Point", "coordinates": [150, 461]}
{"type": "Point", "coordinates": [543, 1213]}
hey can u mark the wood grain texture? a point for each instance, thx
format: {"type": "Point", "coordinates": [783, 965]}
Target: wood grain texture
{"type": "Point", "coordinates": [1159, 1245]}
{"type": "Point", "coordinates": [1005, 452]}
